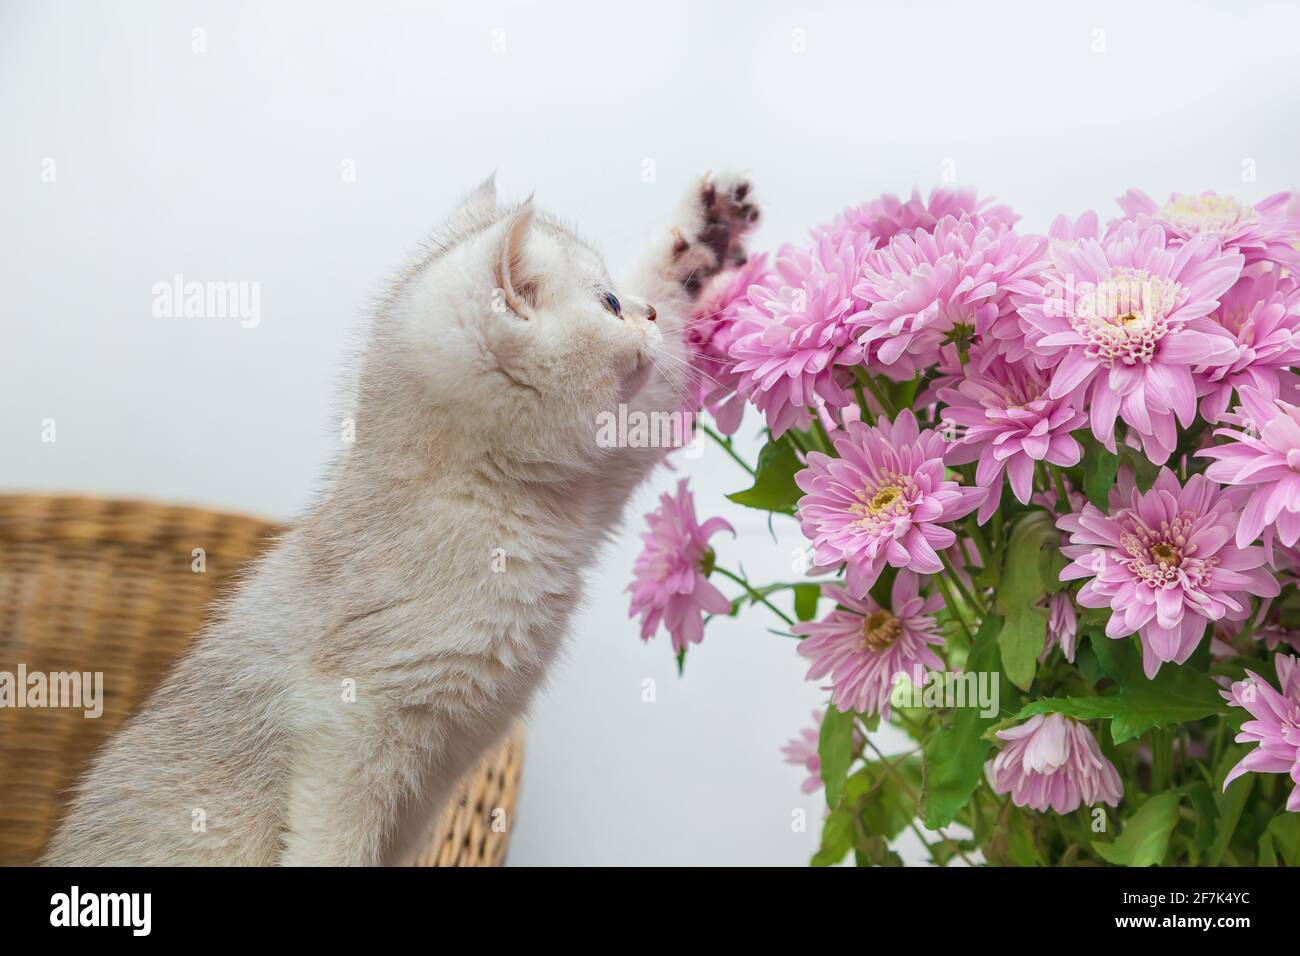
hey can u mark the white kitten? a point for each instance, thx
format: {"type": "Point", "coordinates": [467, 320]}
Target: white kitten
{"type": "Point", "coordinates": [439, 569]}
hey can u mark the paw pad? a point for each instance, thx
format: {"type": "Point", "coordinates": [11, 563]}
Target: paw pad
{"type": "Point", "coordinates": [719, 215]}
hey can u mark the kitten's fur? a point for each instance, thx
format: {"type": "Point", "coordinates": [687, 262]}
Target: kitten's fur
{"type": "Point", "coordinates": [487, 365]}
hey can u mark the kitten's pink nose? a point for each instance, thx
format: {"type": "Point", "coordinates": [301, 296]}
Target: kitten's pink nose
{"type": "Point", "coordinates": [652, 313]}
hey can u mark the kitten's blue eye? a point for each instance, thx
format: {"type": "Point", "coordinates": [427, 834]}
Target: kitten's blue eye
{"type": "Point", "coordinates": [612, 303]}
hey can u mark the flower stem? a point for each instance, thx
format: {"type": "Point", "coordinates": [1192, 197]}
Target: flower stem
{"type": "Point", "coordinates": [971, 598]}
{"type": "Point", "coordinates": [1218, 742]}
{"type": "Point", "coordinates": [952, 606]}
{"type": "Point", "coordinates": [911, 725]}
{"type": "Point", "coordinates": [1162, 758]}
{"type": "Point", "coordinates": [911, 794]}
{"type": "Point", "coordinates": [1062, 496]}
{"type": "Point", "coordinates": [867, 416]}
{"type": "Point", "coordinates": [754, 595]}
{"type": "Point", "coordinates": [878, 393]}
{"type": "Point", "coordinates": [822, 440]}
{"type": "Point", "coordinates": [978, 537]}
{"type": "Point", "coordinates": [725, 445]}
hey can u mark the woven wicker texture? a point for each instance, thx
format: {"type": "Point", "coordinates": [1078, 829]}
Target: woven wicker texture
{"type": "Point", "coordinates": [96, 585]}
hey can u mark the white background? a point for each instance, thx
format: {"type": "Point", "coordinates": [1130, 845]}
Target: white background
{"type": "Point", "coordinates": [226, 165]}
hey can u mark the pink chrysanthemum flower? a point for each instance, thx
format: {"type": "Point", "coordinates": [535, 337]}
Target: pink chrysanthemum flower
{"type": "Point", "coordinates": [882, 500]}
{"type": "Point", "coordinates": [1053, 761]}
{"type": "Point", "coordinates": [1262, 314]}
{"type": "Point", "coordinates": [948, 373]}
{"type": "Point", "coordinates": [1165, 564]}
{"type": "Point", "coordinates": [1067, 231]}
{"type": "Point", "coordinates": [801, 751]}
{"type": "Point", "coordinates": [793, 344]}
{"type": "Point", "coordinates": [1001, 416]}
{"type": "Point", "coordinates": [1286, 561]}
{"type": "Point", "coordinates": [1267, 629]}
{"type": "Point", "coordinates": [926, 288]}
{"type": "Point", "coordinates": [1291, 208]}
{"type": "Point", "coordinates": [671, 575]}
{"type": "Point", "coordinates": [882, 219]}
{"type": "Point", "coordinates": [710, 334]}
{"type": "Point", "coordinates": [1267, 463]}
{"type": "Point", "coordinates": [1274, 634]}
{"type": "Point", "coordinates": [1276, 724]}
{"type": "Point", "coordinates": [1007, 337]}
{"type": "Point", "coordinates": [1062, 626]}
{"type": "Point", "coordinates": [1264, 232]}
{"type": "Point", "coordinates": [866, 648]}
{"type": "Point", "coordinates": [1123, 324]}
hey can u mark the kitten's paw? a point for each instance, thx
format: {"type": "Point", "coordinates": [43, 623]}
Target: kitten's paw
{"type": "Point", "coordinates": [715, 217]}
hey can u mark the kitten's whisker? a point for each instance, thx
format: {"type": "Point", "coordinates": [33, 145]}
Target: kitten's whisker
{"type": "Point", "coordinates": [689, 368]}
{"type": "Point", "coordinates": [697, 318]}
{"type": "Point", "coordinates": [694, 353]}
{"type": "Point", "coordinates": [687, 399]}
{"type": "Point", "coordinates": [689, 355]}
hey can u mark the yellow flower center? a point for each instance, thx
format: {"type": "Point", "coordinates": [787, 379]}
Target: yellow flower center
{"type": "Point", "coordinates": [879, 630]}
{"type": "Point", "coordinates": [1166, 555]}
{"type": "Point", "coordinates": [1124, 316]}
{"type": "Point", "coordinates": [1197, 214]}
{"type": "Point", "coordinates": [883, 498]}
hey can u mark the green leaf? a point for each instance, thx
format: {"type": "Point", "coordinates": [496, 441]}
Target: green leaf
{"type": "Point", "coordinates": [1024, 581]}
{"type": "Point", "coordinates": [1031, 571]}
{"type": "Point", "coordinates": [954, 756]}
{"type": "Point", "coordinates": [1231, 802]}
{"type": "Point", "coordinates": [944, 852]}
{"type": "Point", "coordinates": [1207, 813]}
{"type": "Point", "coordinates": [990, 574]}
{"type": "Point", "coordinates": [835, 748]}
{"type": "Point", "coordinates": [891, 804]}
{"type": "Point", "coordinates": [1021, 640]}
{"type": "Point", "coordinates": [805, 601]}
{"type": "Point", "coordinates": [875, 805]}
{"type": "Point", "coordinates": [774, 488]}
{"type": "Point", "coordinates": [1086, 661]}
{"type": "Point", "coordinates": [874, 851]}
{"type": "Point", "coordinates": [837, 837]}
{"type": "Point", "coordinates": [1175, 696]}
{"type": "Point", "coordinates": [1288, 608]}
{"type": "Point", "coordinates": [1011, 842]}
{"type": "Point", "coordinates": [1099, 469]}
{"type": "Point", "coordinates": [1145, 838]}
{"type": "Point", "coordinates": [1281, 841]}
{"type": "Point", "coordinates": [1093, 618]}
{"type": "Point", "coordinates": [1104, 707]}
{"type": "Point", "coordinates": [1144, 472]}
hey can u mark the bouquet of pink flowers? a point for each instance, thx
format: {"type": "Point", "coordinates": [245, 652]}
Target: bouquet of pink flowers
{"type": "Point", "coordinates": [1050, 486]}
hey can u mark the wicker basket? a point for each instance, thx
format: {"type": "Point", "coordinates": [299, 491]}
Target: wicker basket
{"type": "Point", "coordinates": [94, 585]}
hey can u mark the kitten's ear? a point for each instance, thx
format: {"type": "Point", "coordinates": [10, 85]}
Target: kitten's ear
{"type": "Point", "coordinates": [514, 278]}
{"type": "Point", "coordinates": [482, 200]}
